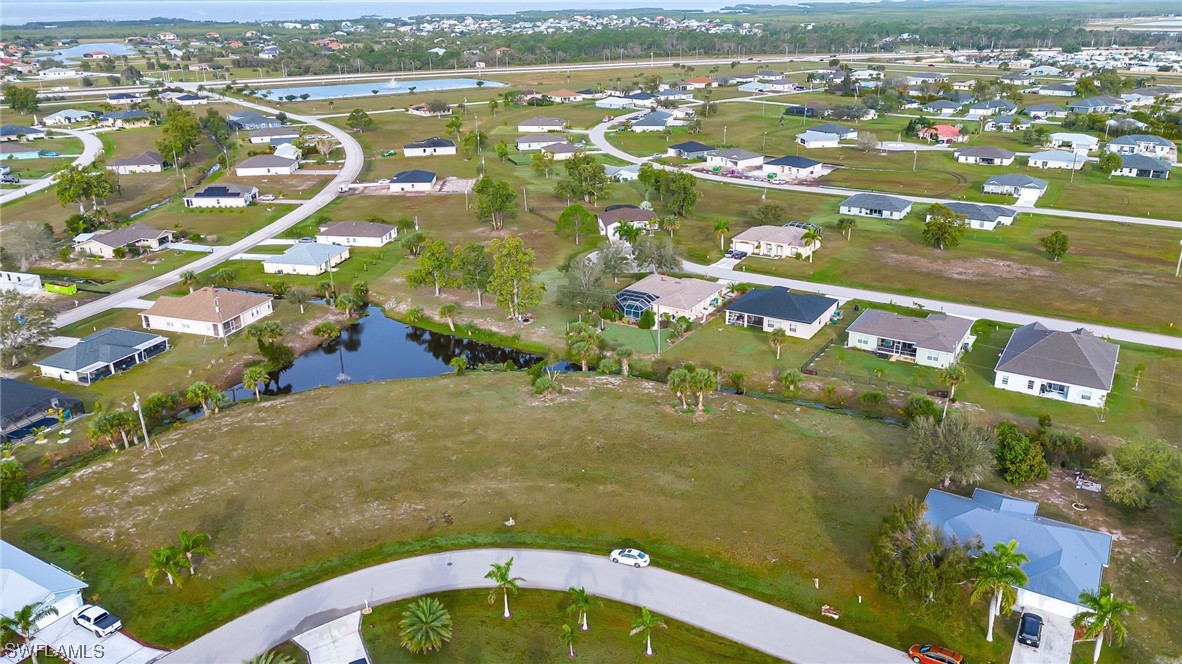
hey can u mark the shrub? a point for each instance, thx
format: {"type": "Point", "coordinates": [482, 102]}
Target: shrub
{"type": "Point", "coordinates": [920, 405]}
{"type": "Point", "coordinates": [415, 315]}
{"type": "Point", "coordinates": [12, 483]}
{"type": "Point", "coordinates": [647, 320]}
{"type": "Point", "coordinates": [1018, 459]}
{"type": "Point", "coordinates": [872, 397]}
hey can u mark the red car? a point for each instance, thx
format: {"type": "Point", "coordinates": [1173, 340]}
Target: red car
{"type": "Point", "coordinates": [930, 654]}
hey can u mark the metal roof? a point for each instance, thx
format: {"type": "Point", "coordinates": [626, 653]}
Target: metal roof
{"type": "Point", "coordinates": [782, 304]}
{"type": "Point", "coordinates": [308, 253]}
{"type": "Point", "coordinates": [1074, 358]}
{"type": "Point", "coordinates": [26, 579]}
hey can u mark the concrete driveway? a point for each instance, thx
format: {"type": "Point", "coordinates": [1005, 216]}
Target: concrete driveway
{"type": "Point", "coordinates": [336, 642]}
{"type": "Point", "coordinates": [80, 645]}
{"type": "Point", "coordinates": [1057, 638]}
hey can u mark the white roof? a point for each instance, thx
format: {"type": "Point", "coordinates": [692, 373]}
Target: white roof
{"type": "Point", "coordinates": [26, 579]}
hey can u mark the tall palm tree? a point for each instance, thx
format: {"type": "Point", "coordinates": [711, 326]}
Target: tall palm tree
{"type": "Point", "coordinates": [426, 625]}
{"type": "Point", "coordinates": [300, 296]}
{"type": "Point", "coordinates": [1105, 617]}
{"type": "Point", "coordinates": [721, 228]}
{"type": "Point", "coordinates": [24, 622]}
{"type": "Point", "coordinates": [568, 638]}
{"type": "Point", "coordinates": [703, 381]}
{"type": "Point", "coordinates": [201, 392]}
{"type": "Point", "coordinates": [580, 605]}
{"type": "Point", "coordinates": [952, 375]}
{"type": "Point", "coordinates": [679, 384]}
{"type": "Point", "coordinates": [256, 378]}
{"type": "Point", "coordinates": [629, 233]}
{"type": "Point", "coordinates": [995, 573]}
{"type": "Point", "coordinates": [777, 339]}
{"type": "Point", "coordinates": [193, 544]}
{"type": "Point", "coordinates": [448, 312]}
{"type": "Point", "coordinates": [811, 239]}
{"type": "Point", "coordinates": [645, 625]}
{"type": "Point", "coordinates": [271, 657]}
{"type": "Point", "coordinates": [846, 226]}
{"type": "Point", "coordinates": [166, 561]}
{"type": "Point", "coordinates": [624, 353]}
{"type": "Point", "coordinates": [189, 278]}
{"type": "Point", "coordinates": [501, 575]}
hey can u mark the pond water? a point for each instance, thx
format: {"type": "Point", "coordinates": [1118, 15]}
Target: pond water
{"type": "Point", "coordinates": [393, 87]}
{"type": "Point", "coordinates": [380, 348]}
{"type": "Point", "coordinates": [76, 52]}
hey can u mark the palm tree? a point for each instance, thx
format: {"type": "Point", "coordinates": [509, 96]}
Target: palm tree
{"type": "Point", "coordinates": [201, 392]}
{"type": "Point", "coordinates": [271, 657]}
{"type": "Point", "coordinates": [1105, 616]}
{"type": "Point", "coordinates": [995, 574]}
{"type": "Point", "coordinates": [792, 378]}
{"type": "Point", "coordinates": [721, 228]}
{"type": "Point", "coordinates": [645, 625]}
{"type": "Point", "coordinates": [360, 290]}
{"type": "Point", "coordinates": [624, 353]}
{"type": "Point", "coordinates": [300, 296]}
{"type": "Point", "coordinates": [349, 303]}
{"type": "Point", "coordinates": [846, 226]}
{"type": "Point", "coordinates": [580, 605]}
{"type": "Point", "coordinates": [256, 378]}
{"type": "Point", "coordinates": [500, 574]}
{"type": "Point", "coordinates": [166, 561]}
{"type": "Point", "coordinates": [629, 233]}
{"type": "Point", "coordinates": [811, 239]}
{"type": "Point", "coordinates": [188, 278]}
{"type": "Point", "coordinates": [193, 544]}
{"type": "Point", "coordinates": [426, 625]}
{"type": "Point", "coordinates": [448, 312]}
{"type": "Point", "coordinates": [703, 381]}
{"type": "Point", "coordinates": [952, 375]}
{"type": "Point", "coordinates": [568, 638]}
{"type": "Point", "coordinates": [583, 342]}
{"type": "Point", "coordinates": [679, 384]}
{"type": "Point", "coordinates": [24, 622]}
{"type": "Point", "coordinates": [459, 363]}
{"type": "Point", "coordinates": [777, 339]}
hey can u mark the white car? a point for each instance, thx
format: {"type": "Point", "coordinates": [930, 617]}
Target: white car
{"type": "Point", "coordinates": [267, 197]}
{"type": "Point", "coordinates": [384, 181]}
{"type": "Point", "coordinates": [96, 619]}
{"type": "Point", "coordinates": [631, 557]}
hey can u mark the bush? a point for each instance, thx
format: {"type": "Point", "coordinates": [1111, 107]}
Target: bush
{"type": "Point", "coordinates": [871, 397]}
{"type": "Point", "coordinates": [1018, 459]}
{"type": "Point", "coordinates": [647, 320]}
{"type": "Point", "coordinates": [1139, 474]}
{"type": "Point", "coordinates": [920, 405]}
{"type": "Point", "coordinates": [12, 483]}
{"type": "Point", "coordinates": [415, 315]}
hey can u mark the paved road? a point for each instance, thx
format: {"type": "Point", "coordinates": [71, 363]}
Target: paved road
{"type": "Point", "coordinates": [737, 617]}
{"type": "Point", "coordinates": [354, 160]}
{"type": "Point", "coordinates": [967, 310]}
{"type": "Point", "coordinates": [92, 147]}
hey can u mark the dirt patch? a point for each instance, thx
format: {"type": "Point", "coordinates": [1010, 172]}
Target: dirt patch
{"type": "Point", "coordinates": [975, 269]}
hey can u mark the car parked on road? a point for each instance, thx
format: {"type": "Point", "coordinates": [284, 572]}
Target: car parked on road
{"type": "Point", "coordinates": [96, 619]}
{"type": "Point", "coordinates": [50, 154]}
{"type": "Point", "coordinates": [931, 654]}
{"type": "Point", "coordinates": [267, 197]}
{"type": "Point", "coordinates": [1030, 630]}
{"type": "Point", "coordinates": [631, 557]}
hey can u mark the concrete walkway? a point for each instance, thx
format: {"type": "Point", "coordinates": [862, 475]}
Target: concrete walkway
{"type": "Point", "coordinates": [762, 626]}
{"type": "Point", "coordinates": [336, 642]}
{"type": "Point", "coordinates": [92, 147]}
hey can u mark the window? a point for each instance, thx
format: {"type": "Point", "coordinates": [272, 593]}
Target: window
{"type": "Point", "coordinates": [933, 357]}
{"type": "Point", "coordinates": [791, 327]}
{"type": "Point", "coordinates": [1005, 380]}
{"type": "Point", "coordinates": [862, 340]}
{"type": "Point", "coordinates": [1085, 396]}
{"type": "Point", "coordinates": [1030, 385]}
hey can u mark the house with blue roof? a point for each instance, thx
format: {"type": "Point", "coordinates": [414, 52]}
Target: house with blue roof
{"type": "Point", "coordinates": [800, 315]}
{"type": "Point", "coordinates": [104, 353]}
{"type": "Point", "coordinates": [26, 579]}
{"type": "Point", "coordinates": [1064, 560]}
{"type": "Point", "coordinates": [307, 259]}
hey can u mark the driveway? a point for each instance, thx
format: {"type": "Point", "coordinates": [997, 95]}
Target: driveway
{"type": "Point", "coordinates": [336, 642]}
{"type": "Point", "coordinates": [1055, 648]}
{"type": "Point", "coordinates": [92, 147]}
{"type": "Point", "coordinates": [80, 645]}
{"type": "Point", "coordinates": [760, 625]}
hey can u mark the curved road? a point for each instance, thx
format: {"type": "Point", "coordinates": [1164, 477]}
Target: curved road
{"type": "Point", "coordinates": [92, 147]}
{"type": "Point", "coordinates": [354, 160]}
{"type": "Point", "coordinates": [762, 626]}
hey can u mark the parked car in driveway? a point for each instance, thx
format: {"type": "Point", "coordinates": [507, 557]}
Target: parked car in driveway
{"type": "Point", "coordinates": [267, 197]}
{"type": "Point", "coordinates": [96, 619]}
{"type": "Point", "coordinates": [931, 654]}
{"type": "Point", "coordinates": [1030, 630]}
{"type": "Point", "coordinates": [631, 557]}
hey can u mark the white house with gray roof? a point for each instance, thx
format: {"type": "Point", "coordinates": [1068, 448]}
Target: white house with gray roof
{"type": "Point", "coordinates": [68, 116]}
{"type": "Point", "coordinates": [1015, 184]}
{"type": "Point", "coordinates": [149, 161]}
{"type": "Point", "coordinates": [541, 124]}
{"type": "Point", "coordinates": [1057, 159]}
{"type": "Point", "coordinates": [266, 164]}
{"type": "Point", "coordinates": [653, 121]}
{"type": "Point", "coordinates": [1141, 166]}
{"type": "Point", "coordinates": [26, 579]}
{"type": "Point", "coordinates": [1144, 144]}
{"type": "Point", "coordinates": [1008, 124]}
{"type": "Point", "coordinates": [879, 206]}
{"type": "Point", "coordinates": [104, 353]}
{"type": "Point", "coordinates": [982, 216]}
{"type": "Point", "coordinates": [1081, 143]}
{"type": "Point", "coordinates": [670, 296]}
{"type": "Point", "coordinates": [307, 259]}
{"type": "Point", "coordinates": [736, 158]}
{"type": "Point", "coordinates": [935, 341]}
{"type": "Point", "coordinates": [531, 142]}
{"type": "Point", "coordinates": [817, 139]}
{"type": "Point", "coordinates": [1058, 90]}
{"type": "Point", "coordinates": [775, 242]}
{"type": "Point", "coordinates": [1062, 560]}
{"type": "Point", "coordinates": [357, 234]}
{"type": "Point", "coordinates": [1044, 111]}
{"type": "Point", "coordinates": [105, 243]}
{"type": "Point", "coordinates": [1076, 367]}
{"type": "Point", "coordinates": [984, 155]}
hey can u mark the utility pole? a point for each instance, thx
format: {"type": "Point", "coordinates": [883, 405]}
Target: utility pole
{"type": "Point", "coordinates": [1179, 267]}
{"type": "Point", "coordinates": [144, 425]}
{"type": "Point", "coordinates": [525, 199]}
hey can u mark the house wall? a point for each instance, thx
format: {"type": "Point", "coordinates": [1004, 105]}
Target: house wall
{"type": "Point", "coordinates": [305, 270]}
{"type": "Point", "coordinates": [1043, 163]}
{"type": "Point", "coordinates": [647, 128]}
{"type": "Point", "coordinates": [267, 139]}
{"type": "Point", "coordinates": [562, 156]}
{"type": "Point", "coordinates": [1035, 602]}
{"type": "Point", "coordinates": [863, 212]}
{"type": "Point", "coordinates": [412, 186]}
{"type": "Point", "coordinates": [797, 329]}
{"type": "Point", "coordinates": [1134, 173]}
{"type": "Point", "coordinates": [923, 356]}
{"type": "Point", "coordinates": [826, 143]}
{"type": "Point", "coordinates": [536, 129]}
{"type": "Point", "coordinates": [732, 163]}
{"type": "Point", "coordinates": [266, 170]}
{"type": "Point", "coordinates": [20, 282]}
{"type": "Point", "coordinates": [773, 249]}
{"type": "Point", "coordinates": [60, 374]}
{"type": "Point", "coordinates": [794, 173]}
{"type": "Point", "coordinates": [66, 604]}
{"type": "Point", "coordinates": [141, 168]}
{"type": "Point", "coordinates": [535, 145]}
{"type": "Point", "coordinates": [203, 328]}
{"type": "Point", "coordinates": [237, 201]}
{"type": "Point", "coordinates": [426, 152]}
{"type": "Point", "coordinates": [1004, 380]}
{"type": "Point", "coordinates": [697, 312]}
{"type": "Point", "coordinates": [353, 241]}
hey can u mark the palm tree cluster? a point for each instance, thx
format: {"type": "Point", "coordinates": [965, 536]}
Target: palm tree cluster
{"type": "Point", "coordinates": [171, 562]}
{"type": "Point", "coordinates": [688, 381]}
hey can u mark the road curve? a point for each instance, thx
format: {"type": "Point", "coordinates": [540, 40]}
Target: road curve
{"type": "Point", "coordinates": [757, 624]}
{"type": "Point", "coordinates": [354, 160]}
{"type": "Point", "coordinates": [92, 147]}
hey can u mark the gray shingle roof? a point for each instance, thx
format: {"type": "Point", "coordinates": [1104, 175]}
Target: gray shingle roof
{"type": "Point", "coordinates": [985, 152]}
{"type": "Point", "coordinates": [540, 138]}
{"type": "Point", "coordinates": [544, 121]}
{"type": "Point", "coordinates": [780, 303]}
{"type": "Point", "coordinates": [127, 234]}
{"type": "Point", "coordinates": [267, 161]}
{"type": "Point", "coordinates": [691, 146]}
{"type": "Point", "coordinates": [792, 161]}
{"type": "Point", "coordinates": [433, 142]}
{"type": "Point", "coordinates": [1135, 139]}
{"type": "Point", "coordinates": [877, 202]}
{"type": "Point", "coordinates": [413, 176]}
{"type": "Point", "coordinates": [831, 128]}
{"type": "Point", "coordinates": [223, 191]}
{"type": "Point", "coordinates": [939, 332]}
{"type": "Point", "coordinates": [1072, 358]}
{"type": "Point", "coordinates": [148, 158]}
{"type": "Point", "coordinates": [1144, 163]}
{"type": "Point", "coordinates": [738, 154]}
{"type": "Point", "coordinates": [102, 347]}
{"type": "Point", "coordinates": [356, 229]}
{"type": "Point", "coordinates": [1016, 180]}
{"type": "Point", "coordinates": [973, 211]}
{"type": "Point", "coordinates": [1064, 560]}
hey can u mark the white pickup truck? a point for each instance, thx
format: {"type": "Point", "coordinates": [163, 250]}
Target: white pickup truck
{"type": "Point", "coordinates": [97, 620]}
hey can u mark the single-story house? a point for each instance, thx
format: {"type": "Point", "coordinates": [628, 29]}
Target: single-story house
{"type": "Point", "coordinates": [612, 217]}
{"type": "Point", "coordinates": [222, 195]}
{"type": "Point", "coordinates": [24, 408]}
{"type": "Point", "coordinates": [68, 116]}
{"type": "Point", "coordinates": [935, 341]}
{"type": "Point", "coordinates": [250, 121]}
{"type": "Point", "coordinates": [593, 93]}
{"type": "Point", "coordinates": [943, 134]}
{"type": "Point", "coordinates": [876, 205]}
{"type": "Point", "coordinates": [424, 110]}
{"type": "Point", "coordinates": [698, 82]}
{"type": "Point", "coordinates": [800, 315]}
{"type": "Point", "coordinates": [1057, 159]}
{"type": "Point", "coordinates": [1018, 78]}
{"type": "Point", "coordinates": [1141, 166]}
{"type": "Point", "coordinates": [563, 96]}
{"type": "Point", "coordinates": [1044, 111]}
{"type": "Point", "coordinates": [983, 216]}
{"type": "Point", "coordinates": [307, 259]}
{"type": "Point", "coordinates": [801, 111]}
{"type": "Point", "coordinates": [266, 164]}
{"type": "Point", "coordinates": [413, 180]}
{"type": "Point", "coordinates": [775, 242]}
{"type": "Point", "coordinates": [919, 79]}
{"type": "Point", "coordinates": [104, 243]}
{"type": "Point", "coordinates": [57, 72]}
{"type": "Point", "coordinates": [357, 234]}
{"type": "Point", "coordinates": [541, 124]}
{"type": "Point", "coordinates": [1081, 143]}
{"type": "Point", "coordinates": [643, 99]}
{"type": "Point", "coordinates": [1044, 70]}
{"type": "Point", "coordinates": [188, 100]}
{"type": "Point", "coordinates": [27, 580]}
{"type": "Point", "coordinates": [1006, 123]}
{"type": "Point", "coordinates": [144, 162]}
{"type": "Point", "coordinates": [125, 119]}
{"type": "Point", "coordinates": [992, 107]}
{"type": "Point", "coordinates": [627, 173]}
{"type": "Point", "coordinates": [1063, 560]}
{"type": "Point", "coordinates": [985, 156]}
{"type": "Point", "coordinates": [613, 102]}
{"type": "Point", "coordinates": [531, 142]}
{"type": "Point", "coordinates": [561, 151]}
{"type": "Point", "coordinates": [124, 98]}
{"type": "Point", "coordinates": [104, 353]}
{"type": "Point", "coordinates": [842, 133]}
{"type": "Point", "coordinates": [942, 107]}
{"type": "Point", "coordinates": [670, 297]}
{"type": "Point", "coordinates": [1100, 104]}
{"type": "Point", "coordinates": [288, 151]}
{"type": "Point", "coordinates": [674, 94]}
{"type": "Point", "coordinates": [18, 151]}
{"type": "Point", "coordinates": [815, 139]}
{"type": "Point", "coordinates": [1076, 367]}
{"type": "Point", "coordinates": [688, 150]}
{"type": "Point", "coordinates": [19, 133]}
{"type": "Point", "coordinates": [654, 121]}
{"type": "Point", "coordinates": [429, 146]}
{"type": "Point", "coordinates": [734, 158]}
{"type": "Point", "coordinates": [21, 282]}
{"type": "Point", "coordinates": [1015, 184]}
{"type": "Point", "coordinates": [768, 75]}
{"type": "Point", "coordinates": [1146, 144]}
{"type": "Point", "coordinates": [793, 167]}
{"type": "Point", "coordinates": [1057, 90]}
{"type": "Point", "coordinates": [268, 134]}
{"type": "Point", "coordinates": [210, 312]}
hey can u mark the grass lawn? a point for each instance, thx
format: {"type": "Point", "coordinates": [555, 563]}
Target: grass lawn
{"type": "Point", "coordinates": [363, 264]}
{"type": "Point", "coordinates": [114, 275]}
{"type": "Point", "coordinates": [479, 634]}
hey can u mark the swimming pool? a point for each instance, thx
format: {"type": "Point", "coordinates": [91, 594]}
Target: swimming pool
{"type": "Point", "coordinates": [393, 87]}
